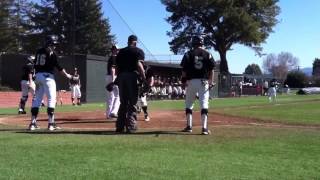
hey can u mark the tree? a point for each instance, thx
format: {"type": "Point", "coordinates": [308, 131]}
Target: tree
{"type": "Point", "coordinates": [253, 69]}
{"type": "Point", "coordinates": [79, 23]}
{"type": "Point", "coordinates": [10, 25]}
{"type": "Point", "coordinates": [18, 20]}
{"type": "Point", "coordinates": [316, 71]}
{"type": "Point", "coordinates": [4, 26]}
{"type": "Point", "coordinates": [316, 68]}
{"type": "Point", "coordinates": [296, 79]}
{"type": "Point", "coordinates": [92, 30]}
{"type": "Point", "coordinates": [222, 24]}
{"type": "Point", "coordinates": [279, 65]}
{"type": "Point", "coordinates": [43, 21]}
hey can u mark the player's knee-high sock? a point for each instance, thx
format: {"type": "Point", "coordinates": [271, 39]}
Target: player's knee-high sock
{"type": "Point", "coordinates": [34, 114]}
{"type": "Point", "coordinates": [204, 118]}
{"type": "Point", "coordinates": [189, 117]}
{"type": "Point", "coordinates": [23, 101]}
{"type": "Point", "coordinates": [145, 110]}
{"type": "Point", "coordinates": [50, 112]}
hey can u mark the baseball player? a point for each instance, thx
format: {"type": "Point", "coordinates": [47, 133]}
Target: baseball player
{"type": "Point", "coordinates": [75, 87]}
{"type": "Point", "coordinates": [27, 84]}
{"type": "Point", "coordinates": [142, 101]}
{"type": "Point", "coordinates": [197, 76]}
{"type": "Point", "coordinates": [272, 91]}
{"type": "Point", "coordinates": [113, 99]}
{"type": "Point", "coordinates": [45, 63]}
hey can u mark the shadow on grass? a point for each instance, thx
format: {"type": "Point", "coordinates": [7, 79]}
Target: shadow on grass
{"type": "Point", "coordinates": [11, 129]}
{"type": "Point", "coordinates": [105, 132]}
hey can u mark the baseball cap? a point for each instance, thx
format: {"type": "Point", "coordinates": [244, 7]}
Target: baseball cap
{"type": "Point", "coordinates": [132, 38]}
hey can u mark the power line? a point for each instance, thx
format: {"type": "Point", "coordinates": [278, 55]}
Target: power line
{"type": "Point", "coordinates": [130, 29]}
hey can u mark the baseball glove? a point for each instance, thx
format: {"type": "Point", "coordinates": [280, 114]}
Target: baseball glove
{"type": "Point", "coordinates": [145, 88]}
{"type": "Point", "coordinates": [109, 86]}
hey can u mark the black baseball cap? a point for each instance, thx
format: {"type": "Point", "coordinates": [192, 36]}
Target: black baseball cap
{"type": "Point", "coordinates": [132, 38]}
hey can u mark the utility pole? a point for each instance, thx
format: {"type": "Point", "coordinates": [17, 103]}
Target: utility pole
{"type": "Point", "coordinates": [73, 32]}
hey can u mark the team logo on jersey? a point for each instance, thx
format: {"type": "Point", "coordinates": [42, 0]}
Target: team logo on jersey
{"type": "Point", "coordinates": [198, 62]}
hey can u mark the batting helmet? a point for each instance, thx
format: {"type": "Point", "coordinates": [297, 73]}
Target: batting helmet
{"type": "Point", "coordinates": [197, 40]}
{"type": "Point", "coordinates": [114, 47]}
{"type": "Point", "coordinates": [30, 59]}
{"type": "Point", "coordinates": [52, 40]}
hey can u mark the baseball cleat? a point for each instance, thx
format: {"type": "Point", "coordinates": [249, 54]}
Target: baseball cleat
{"type": "Point", "coordinates": [33, 126]}
{"type": "Point", "coordinates": [146, 118]}
{"type": "Point", "coordinates": [22, 112]}
{"type": "Point", "coordinates": [53, 126]}
{"type": "Point", "coordinates": [113, 115]}
{"type": "Point", "coordinates": [187, 129]}
{"type": "Point", "coordinates": [205, 131]}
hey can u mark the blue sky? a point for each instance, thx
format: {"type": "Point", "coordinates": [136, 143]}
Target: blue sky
{"type": "Point", "coordinates": [297, 32]}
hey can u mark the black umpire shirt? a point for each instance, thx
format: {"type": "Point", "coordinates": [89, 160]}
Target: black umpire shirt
{"type": "Point", "coordinates": [127, 59]}
{"type": "Point", "coordinates": [197, 63]}
{"type": "Point", "coordinates": [46, 61]}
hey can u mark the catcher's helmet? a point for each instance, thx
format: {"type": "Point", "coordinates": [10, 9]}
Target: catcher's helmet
{"type": "Point", "coordinates": [197, 40]}
{"type": "Point", "coordinates": [52, 40]}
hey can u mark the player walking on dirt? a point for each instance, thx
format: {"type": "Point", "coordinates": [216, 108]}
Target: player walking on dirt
{"type": "Point", "coordinates": [113, 99]}
{"type": "Point", "coordinates": [45, 63]}
{"type": "Point", "coordinates": [197, 75]}
{"type": "Point", "coordinates": [142, 101]}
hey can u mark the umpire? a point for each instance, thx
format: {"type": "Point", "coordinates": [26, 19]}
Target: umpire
{"type": "Point", "coordinates": [129, 64]}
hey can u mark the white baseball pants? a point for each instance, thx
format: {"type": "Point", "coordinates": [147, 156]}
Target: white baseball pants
{"type": "Point", "coordinates": [45, 84]}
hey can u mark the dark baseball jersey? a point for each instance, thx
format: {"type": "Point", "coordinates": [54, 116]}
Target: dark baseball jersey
{"type": "Point", "coordinates": [75, 80]}
{"type": "Point", "coordinates": [111, 63]}
{"type": "Point", "coordinates": [26, 70]}
{"type": "Point", "coordinates": [149, 73]}
{"type": "Point", "coordinates": [127, 59]}
{"type": "Point", "coordinates": [46, 60]}
{"type": "Point", "coordinates": [197, 63]}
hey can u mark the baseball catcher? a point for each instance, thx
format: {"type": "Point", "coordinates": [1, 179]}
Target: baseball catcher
{"type": "Point", "coordinates": [27, 84]}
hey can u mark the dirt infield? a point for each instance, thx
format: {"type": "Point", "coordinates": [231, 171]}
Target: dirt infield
{"type": "Point", "coordinates": [95, 120]}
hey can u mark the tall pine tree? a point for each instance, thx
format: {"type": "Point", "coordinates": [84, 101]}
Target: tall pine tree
{"type": "Point", "coordinates": [79, 23]}
{"type": "Point", "coordinates": [4, 28]}
{"type": "Point", "coordinates": [8, 41]}
{"type": "Point", "coordinates": [19, 19]}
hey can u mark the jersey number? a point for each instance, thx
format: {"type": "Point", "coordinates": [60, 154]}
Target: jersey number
{"type": "Point", "coordinates": [41, 59]}
{"type": "Point", "coordinates": [198, 62]}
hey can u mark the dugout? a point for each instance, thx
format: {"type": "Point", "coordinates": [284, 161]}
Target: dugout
{"type": "Point", "coordinates": [169, 70]}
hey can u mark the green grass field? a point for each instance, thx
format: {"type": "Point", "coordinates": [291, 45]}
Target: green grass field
{"type": "Point", "coordinates": [239, 152]}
